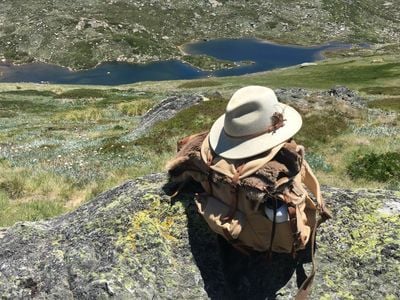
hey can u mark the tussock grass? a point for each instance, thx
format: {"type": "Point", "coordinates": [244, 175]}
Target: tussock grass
{"type": "Point", "coordinates": [32, 194]}
{"type": "Point", "coordinates": [18, 183]}
{"type": "Point", "coordinates": [135, 108]}
{"type": "Point", "coordinates": [4, 113]}
{"type": "Point", "coordinates": [11, 211]}
{"type": "Point", "coordinates": [90, 114]}
{"type": "Point", "coordinates": [29, 195]}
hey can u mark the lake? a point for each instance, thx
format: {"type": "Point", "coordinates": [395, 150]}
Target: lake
{"type": "Point", "coordinates": [266, 56]}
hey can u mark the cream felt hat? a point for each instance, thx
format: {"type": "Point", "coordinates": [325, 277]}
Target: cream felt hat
{"type": "Point", "coordinates": [254, 122]}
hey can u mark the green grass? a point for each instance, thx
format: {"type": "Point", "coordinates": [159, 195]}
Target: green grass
{"type": "Point", "coordinates": [356, 73]}
{"type": "Point", "coordinates": [11, 212]}
{"type": "Point", "coordinates": [386, 104]}
{"type": "Point", "coordinates": [381, 90]}
{"type": "Point", "coordinates": [199, 84]}
{"type": "Point", "coordinates": [27, 194]}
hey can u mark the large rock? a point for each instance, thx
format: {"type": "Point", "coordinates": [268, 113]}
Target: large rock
{"type": "Point", "coordinates": [165, 110]}
{"type": "Point", "coordinates": [345, 94]}
{"type": "Point", "coordinates": [133, 243]}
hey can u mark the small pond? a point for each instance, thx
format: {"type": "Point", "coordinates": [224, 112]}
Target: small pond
{"type": "Point", "coordinates": [265, 56]}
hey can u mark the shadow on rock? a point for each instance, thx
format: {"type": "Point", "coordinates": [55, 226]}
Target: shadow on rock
{"type": "Point", "coordinates": [226, 272]}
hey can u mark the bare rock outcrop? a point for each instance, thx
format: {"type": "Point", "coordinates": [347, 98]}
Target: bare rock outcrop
{"type": "Point", "coordinates": [164, 111]}
{"type": "Point", "coordinates": [132, 242]}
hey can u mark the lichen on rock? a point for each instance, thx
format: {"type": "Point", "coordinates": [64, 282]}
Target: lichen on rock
{"type": "Point", "coordinates": [133, 242]}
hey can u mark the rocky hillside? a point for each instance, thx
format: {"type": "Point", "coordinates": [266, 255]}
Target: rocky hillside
{"type": "Point", "coordinates": [80, 34]}
{"type": "Point", "coordinates": [133, 243]}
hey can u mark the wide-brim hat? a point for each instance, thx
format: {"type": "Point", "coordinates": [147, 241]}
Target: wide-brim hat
{"type": "Point", "coordinates": [254, 122]}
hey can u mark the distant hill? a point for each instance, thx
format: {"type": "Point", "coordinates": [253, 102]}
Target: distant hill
{"type": "Point", "coordinates": [80, 34]}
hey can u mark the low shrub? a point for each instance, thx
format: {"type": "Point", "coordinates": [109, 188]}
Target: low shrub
{"type": "Point", "coordinates": [25, 105]}
{"type": "Point", "coordinates": [84, 93]}
{"type": "Point", "coordinates": [379, 167]}
{"type": "Point", "coordinates": [320, 128]}
{"type": "Point", "coordinates": [30, 93]}
{"type": "Point", "coordinates": [317, 162]}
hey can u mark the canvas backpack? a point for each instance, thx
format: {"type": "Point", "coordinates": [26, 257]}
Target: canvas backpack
{"type": "Point", "coordinates": [238, 192]}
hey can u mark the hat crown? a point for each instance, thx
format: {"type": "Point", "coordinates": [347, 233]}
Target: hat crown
{"type": "Point", "coordinates": [250, 111]}
{"type": "Point", "coordinates": [254, 122]}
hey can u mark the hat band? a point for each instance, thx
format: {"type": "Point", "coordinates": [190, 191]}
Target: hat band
{"type": "Point", "coordinates": [277, 122]}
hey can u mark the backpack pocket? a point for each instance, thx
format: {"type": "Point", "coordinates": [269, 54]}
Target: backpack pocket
{"type": "Point", "coordinates": [252, 231]}
{"type": "Point", "coordinates": [214, 210]}
{"type": "Point", "coordinates": [258, 230]}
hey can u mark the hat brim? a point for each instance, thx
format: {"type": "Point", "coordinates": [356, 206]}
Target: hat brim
{"type": "Point", "coordinates": [243, 147]}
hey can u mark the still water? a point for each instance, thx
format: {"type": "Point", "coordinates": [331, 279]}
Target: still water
{"type": "Point", "coordinates": [265, 56]}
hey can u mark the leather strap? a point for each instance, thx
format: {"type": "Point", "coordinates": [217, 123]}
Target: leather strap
{"type": "Point", "coordinates": [273, 231]}
{"type": "Point", "coordinates": [293, 227]}
{"type": "Point", "coordinates": [304, 290]}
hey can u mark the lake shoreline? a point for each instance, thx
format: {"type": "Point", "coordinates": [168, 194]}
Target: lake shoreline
{"type": "Point", "coordinates": [200, 59]}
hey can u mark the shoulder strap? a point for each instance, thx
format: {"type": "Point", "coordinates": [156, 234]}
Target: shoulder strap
{"type": "Point", "coordinates": [312, 184]}
{"type": "Point", "coordinates": [305, 285]}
